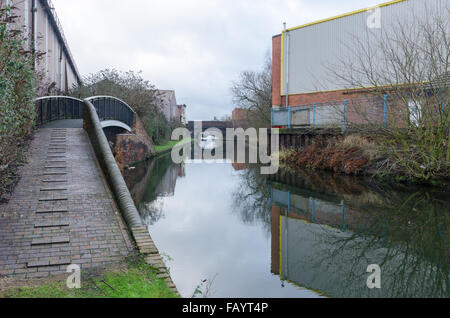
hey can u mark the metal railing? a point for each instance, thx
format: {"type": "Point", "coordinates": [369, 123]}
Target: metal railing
{"type": "Point", "coordinates": [332, 114]}
{"type": "Point", "coordinates": [111, 108]}
{"type": "Point", "coordinates": [51, 108]}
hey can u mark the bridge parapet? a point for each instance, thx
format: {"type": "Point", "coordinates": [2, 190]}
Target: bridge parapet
{"type": "Point", "coordinates": [51, 108]}
{"type": "Point", "coordinates": [112, 108]}
{"type": "Point", "coordinates": [134, 146]}
{"type": "Point", "coordinates": [108, 108]}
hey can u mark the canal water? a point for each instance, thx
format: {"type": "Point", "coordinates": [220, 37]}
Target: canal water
{"type": "Point", "coordinates": [225, 230]}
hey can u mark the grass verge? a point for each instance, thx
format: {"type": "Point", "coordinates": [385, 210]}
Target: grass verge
{"type": "Point", "coordinates": [168, 146]}
{"type": "Point", "coordinates": [131, 279]}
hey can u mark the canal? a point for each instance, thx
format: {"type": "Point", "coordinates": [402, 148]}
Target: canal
{"type": "Point", "coordinates": [225, 230]}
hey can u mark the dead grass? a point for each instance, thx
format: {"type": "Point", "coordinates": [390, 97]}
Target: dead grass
{"type": "Point", "coordinates": [351, 155]}
{"type": "Point", "coordinates": [369, 147]}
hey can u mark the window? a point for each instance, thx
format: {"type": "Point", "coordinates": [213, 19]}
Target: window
{"type": "Point", "coordinates": [415, 112]}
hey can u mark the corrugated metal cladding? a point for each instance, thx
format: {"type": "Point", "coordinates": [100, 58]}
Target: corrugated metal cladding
{"type": "Point", "coordinates": [42, 32]}
{"type": "Point", "coordinates": [315, 49]}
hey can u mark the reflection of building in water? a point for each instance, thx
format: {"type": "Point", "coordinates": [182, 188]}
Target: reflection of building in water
{"type": "Point", "coordinates": [326, 210]}
{"type": "Point", "coordinates": [182, 171]}
{"type": "Point", "coordinates": [311, 248]}
{"type": "Point", "coordinates": [166, 188]}
{"type": "Point", "coordinates": [239, 166]}
{"type": "Point", "coordinates": [159, 182]}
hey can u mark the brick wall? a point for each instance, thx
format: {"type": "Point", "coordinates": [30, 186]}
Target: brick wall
{"type": "Point", "coordinates": [276, 70]}
{"type": "Point", "coordinates": [132, 148]}
{"type": "Point", "coordinates": [240, 118]}
{"type": "Point", "coordinates": [139, 130]}
{"type": "Point", "coordinates": [358, 112]}
{"type": "Point", "coordinates": [129, 149]}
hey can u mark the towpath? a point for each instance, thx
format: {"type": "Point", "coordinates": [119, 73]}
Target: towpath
{"type": "Point", "coordinates": [61, 212]}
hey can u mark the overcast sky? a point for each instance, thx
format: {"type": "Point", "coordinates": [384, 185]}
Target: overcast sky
{"type": "Point", "coordinates": [195, 47]}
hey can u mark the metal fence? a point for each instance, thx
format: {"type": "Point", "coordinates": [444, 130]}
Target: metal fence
{"type": "Point", "coordinates": [332, 114]}
{"type": "Point", "coordinates": [111, 108]}
{"type": "Point", "coordinates": [52, 108]}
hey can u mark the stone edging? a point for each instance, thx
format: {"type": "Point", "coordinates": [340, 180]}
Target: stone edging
{"type": "Point", "coordinates": [144, 242]}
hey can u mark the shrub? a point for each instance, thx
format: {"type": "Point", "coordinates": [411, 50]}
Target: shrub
{"type": "Point", "coordinates": [140, 94]}
{"type": "Point", "coordinates": [17, 80]}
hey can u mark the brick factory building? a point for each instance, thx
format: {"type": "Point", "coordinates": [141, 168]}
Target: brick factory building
{"type": "Point", "coordinates": [304, 55]}
{"type": "Point", "coordinates": [44, 35]}
{"type": "Point", "coordinates": [168, 105]}
{"type": "Point", "coordinates": [240, 118]}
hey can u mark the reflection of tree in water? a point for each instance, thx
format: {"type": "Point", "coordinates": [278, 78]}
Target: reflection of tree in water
{"type": "Point", "coordinates": [409, 241]}
{"type": "Point", "coordinates": [152, 212]}
{"type": "Point", "coordinates": [162, 182]}
{"type": "Point", "coordinates": [252, 197]}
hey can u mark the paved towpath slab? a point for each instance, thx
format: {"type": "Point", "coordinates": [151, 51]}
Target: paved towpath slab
{"type": "Point", "coordinates": [61, 211]}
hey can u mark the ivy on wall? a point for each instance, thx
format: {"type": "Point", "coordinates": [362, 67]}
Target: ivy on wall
{"type": "Point", "coordinates": [17, 91]}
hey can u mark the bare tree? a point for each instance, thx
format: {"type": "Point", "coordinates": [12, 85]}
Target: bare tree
{"type": "Point", "coordinates": [409, 66]}
{"type": "Point", "coordinates": [253, 92]}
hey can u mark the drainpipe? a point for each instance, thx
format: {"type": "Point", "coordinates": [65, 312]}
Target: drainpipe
{"type": "Point", "coordinates": [34, 30]}
{"type": "Point", "coordinates": [26, 5]}
{"type": "Point", "coordinates": [287, 67]}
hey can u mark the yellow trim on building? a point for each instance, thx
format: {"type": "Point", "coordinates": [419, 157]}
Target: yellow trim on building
{"type": "Point", "coordinates": [322, 21]}
{"type": "Point", "coordinates": [281, 246]}
{"type": "Point", "coordinates": [320, 293]}
{"type": "Point", "coordinates": [346, 14]}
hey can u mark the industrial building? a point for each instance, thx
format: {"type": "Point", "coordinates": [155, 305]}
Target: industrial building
{"type": "Point", "coordinates": [305, 56]}
{"type": "Point", "coordinates": [44, 36]}
{"type": "Point", "coordinates": [182, 114]}
{"type": "Point", "coordinates": [171, 110]}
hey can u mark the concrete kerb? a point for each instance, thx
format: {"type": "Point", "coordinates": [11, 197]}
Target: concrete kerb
{"type": "Point", "coordinates": [144, 242]}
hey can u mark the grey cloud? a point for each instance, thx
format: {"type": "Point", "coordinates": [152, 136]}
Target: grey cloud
{"type": "Point", "coordinates": [196, 47]}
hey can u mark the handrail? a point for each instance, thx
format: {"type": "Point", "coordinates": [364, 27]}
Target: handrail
{"type": "Point", "coordinates": [92, 125]}
{"type": "Point", "coordinates": [112, 97]}
{"type": "Point", "coordinates": [57, 96]}
{"type": "Point", "coordinates": [112, 108]}
{"type": "Point", "coordinates": [49, 108]}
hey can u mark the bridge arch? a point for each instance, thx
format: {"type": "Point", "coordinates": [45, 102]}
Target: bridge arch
{"type": "Point", "coordinates": [119, 123]}
{"type": "Point", "coordinates": [112, 111]}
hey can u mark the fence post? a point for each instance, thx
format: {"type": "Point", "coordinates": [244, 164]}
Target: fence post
{"type": "Point", "coordinates": [271, 118]}
{"type": "Point", "coordinates": [289, 117]}
{"type": "Point", "coordinates": [51, 110]}
{"type": "Point", "coordinates": [42, 112]}
{"type": "Point", "coordinates": [313, 210]}
{"type": "Point", "coordinates": [385, 110]}
{"type": "Point", "coordinates": [289, 203]}
{"type": "Point", "coordinates": [314, 115]}
{"type": "Point", "coordinates": [345, 116]}
{"type": "Point", "coordinates": [344, 214]}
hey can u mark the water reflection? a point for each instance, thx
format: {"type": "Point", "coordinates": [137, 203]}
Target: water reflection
{"type": "Point", "coordinates": [325, 241]}
{"type": "Point", "coordinates": [293, 234]}
{"type": "Point", "coordinates": [150, 183]}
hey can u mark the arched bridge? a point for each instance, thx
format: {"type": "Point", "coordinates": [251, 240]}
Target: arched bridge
{"type": "Point", "coordinates": [111, 111]}
{"type": "Point", "coordinates": [119, 121]}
